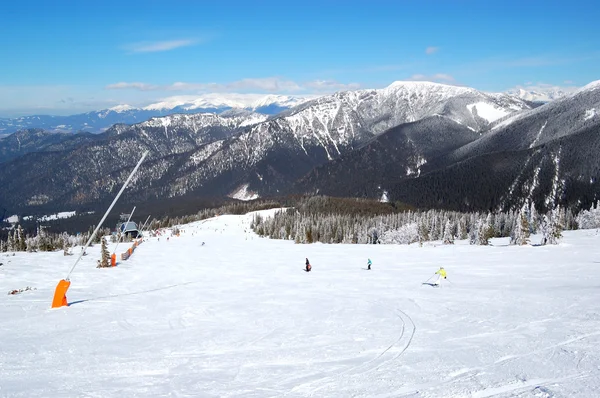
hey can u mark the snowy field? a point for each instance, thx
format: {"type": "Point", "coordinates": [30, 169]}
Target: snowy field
{"type": "Point", "coordinates": [238, 317]}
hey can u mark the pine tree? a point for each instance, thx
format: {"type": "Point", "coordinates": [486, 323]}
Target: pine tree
{"type": "Point", "coordinates": [105, 256]}
{"type": "Point", "coordinates": [463, 233]}
{"type": "Point", "coordinates": [10, 243]}
{"type": "Point", "coordinates": [20, 240]}
{"type": "Point", "coordinates": [553, 228]}
{"type": "Point", "coordinates": [448, 235]}
{"type": "Point", "coordinates": [521, 229]}
{"type": "Point", "coordinates": [483, 233]}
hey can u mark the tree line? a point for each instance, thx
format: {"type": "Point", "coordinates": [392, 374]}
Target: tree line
{"type": "Point", "coordinates": [313, 221]}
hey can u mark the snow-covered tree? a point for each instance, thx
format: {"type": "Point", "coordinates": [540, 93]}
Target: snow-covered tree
{"type": "Point", "coordinates": [483, 233]}
{"type": "Point", "coordinates": [589, 219]}
{"type": "Point", "coordinates": [104, 261]}
{"type": "Point", "coordinates": [463, 233]}
{"type": "Point", "coordinates": [448, 233]}
{"type": "Point", "coordinates": [405, 235]}
{"type": "Point", "coordinates": [551, 228]}
{"type": "Point", "coordinates": [521, 229]}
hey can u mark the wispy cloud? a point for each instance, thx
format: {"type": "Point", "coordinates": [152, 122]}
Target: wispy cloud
{"type": "Point", "coordinates": [266, 84]}
{"type": "Point", "coordinates": [330, 85]}
{"type": "Point", "coordinates": [158, 46]}
{"type": "Point", "coordinates": [431, 50]}
{"type": "Point", "coordinates": [569, 82]}
{"type": "Point", "coordinates": [438, 77]}
{"type": "Point", "coordinates": [132, 85]}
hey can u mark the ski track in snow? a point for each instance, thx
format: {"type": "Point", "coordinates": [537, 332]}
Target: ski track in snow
{"type": "Point", "coordinates": [238, 317]}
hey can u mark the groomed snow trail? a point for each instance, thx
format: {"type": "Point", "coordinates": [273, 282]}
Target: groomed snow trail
{"type": "Point", "coordinates": [238, 317]}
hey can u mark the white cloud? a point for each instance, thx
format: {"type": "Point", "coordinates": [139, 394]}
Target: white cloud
{"type": "Point", "coordinates": [431, 50]}
{"type": "Point", "coordinates": [266, 84]}
{"type": "Point", "coordinates": [270, 84]}
{"type": "Point", "coordinates": [438, 77]}
{"type": "Point", "coordinates": [330, 85]}
{"type": "Point", "coordinates": [132, 85]}
{"type": "Point", "coordinates": [569, 82]}
{"type": "Point", "coordinates": [157, 46]}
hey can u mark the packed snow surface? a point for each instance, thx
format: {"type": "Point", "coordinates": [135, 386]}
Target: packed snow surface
{"type": "Point", "coordinates": [238, 317]}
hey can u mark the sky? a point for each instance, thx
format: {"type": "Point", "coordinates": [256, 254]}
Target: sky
{"type": "Point", "coordinates": [66, 57]}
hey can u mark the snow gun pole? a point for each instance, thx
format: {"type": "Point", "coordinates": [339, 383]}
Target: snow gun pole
{"type": "Point", "coordinates": [60, 295]}
{"type": "Point", "coordinates": [113, 257]}
{"type": "Point", "coordinates": [144, 227]}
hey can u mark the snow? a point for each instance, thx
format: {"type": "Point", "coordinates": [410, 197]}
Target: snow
{"type": "Point", "coordinates": [595, 85]}
{"type": "Point", "coordinates": [57, 216]}
{"type": "Point", "coordinates": [384, 197]}
{"type": "Point", "coordinates": [121, 108]}
{"type": "Point", "coordinates": [242, 193]}
{"type": "Point", "coordinates": [238, 317]}
{"type": "Point", "coordinates": [543, 93]}
{"type": "Point", "coordinates": [281, 100]}
{"type": "Point", "coordinates": [12, 219]}
{"type": "Point", "coordinates": [487, 111]}
{"type": "Point", "coordinates": [226, 100]}
{"type": "Point", "coordinates": [590, 113]}
{"type": "Point", "coordinates": [64, 214]}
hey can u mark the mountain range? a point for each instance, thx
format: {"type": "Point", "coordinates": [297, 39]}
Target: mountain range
{"type": "Point", "coordinates": [99, 121]}
{"type": "Point", "coordinates": [426, 144]}
{"type": "Point", "coordinates": [541, 94]}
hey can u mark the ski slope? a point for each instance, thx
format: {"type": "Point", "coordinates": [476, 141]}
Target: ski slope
{"type": "Point", "coordinates": [238, 317]}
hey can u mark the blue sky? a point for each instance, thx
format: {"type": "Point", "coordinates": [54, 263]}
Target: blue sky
{"type": "Point", "coordinates": [70, 56]}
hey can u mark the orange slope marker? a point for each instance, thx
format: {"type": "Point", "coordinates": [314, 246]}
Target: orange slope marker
{"type": "Point", "coordinates": [60, 295]}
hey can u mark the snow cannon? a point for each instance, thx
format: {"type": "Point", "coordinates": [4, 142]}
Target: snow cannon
{"type": "Point", "coordinates": [113, 260]}
{"type": "Point", "coordinates": [60, 295]}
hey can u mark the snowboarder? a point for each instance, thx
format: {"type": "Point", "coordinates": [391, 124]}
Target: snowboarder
{"type": "Point", "coordinates": [308, 266]}
{"type": "Point", "coordinates": [441, 273]}
{"type": "Point", "coordinates": [369, 264]}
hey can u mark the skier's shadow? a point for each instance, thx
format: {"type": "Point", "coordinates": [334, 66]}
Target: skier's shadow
{"type": "Point", "coordinates": [131, 294]}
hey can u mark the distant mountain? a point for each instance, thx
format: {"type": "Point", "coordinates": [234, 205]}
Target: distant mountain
{"type": "Point", "coordinates": [89, 171]}
{"type": "Point", "coordinates": [540, 94]}
{"type": "Point", "coordinates": [245, 155]}
{"type": "Point", "coordinates": [99, 121]}
{"type": "Point", "coordinates": [36, 140]}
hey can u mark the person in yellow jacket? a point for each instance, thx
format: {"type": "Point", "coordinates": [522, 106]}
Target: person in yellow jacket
{"type": "Point", "coordinates": [441, 273]}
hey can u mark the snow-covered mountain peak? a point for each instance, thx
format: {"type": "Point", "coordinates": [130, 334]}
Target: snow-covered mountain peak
{"type": "Point", "coordinates": [595, 85]}
{"type": "Point", "coordinates": [121, 108]}
{"type": "Point", "coordinates": [279, 100]}
{"type": "Point", "coordinates": [226, 100]}
{"type": "Point", "coordinates": [427, 86]}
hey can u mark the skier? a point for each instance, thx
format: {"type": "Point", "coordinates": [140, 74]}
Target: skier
{"type": "Point", "coordinates": [441, 273]}
{"type": "Point", "coordinates": [369, 264]}
{"type": "Point", "coordinates": [308, 266]}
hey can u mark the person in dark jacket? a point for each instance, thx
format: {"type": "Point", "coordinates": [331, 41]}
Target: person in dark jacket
{"type": "Point", "coordinates": [308, 266]}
